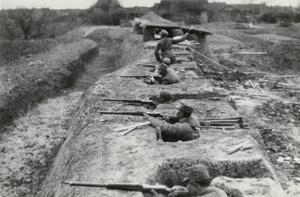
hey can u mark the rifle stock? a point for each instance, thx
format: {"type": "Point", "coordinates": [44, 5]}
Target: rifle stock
{"type": "Point", "coordinates": [124, 186]}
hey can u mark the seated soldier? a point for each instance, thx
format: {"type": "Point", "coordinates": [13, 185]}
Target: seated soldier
{"type": "Point", "coordinates": [168, 76]}
{"type": "Point", "coordinates": [182, 127]}
{"type": "Point", "coordinates": [197, 184]}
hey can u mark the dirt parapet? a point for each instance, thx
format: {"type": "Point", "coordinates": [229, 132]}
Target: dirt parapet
{"type": "Point", "coordinates": [94, 152]}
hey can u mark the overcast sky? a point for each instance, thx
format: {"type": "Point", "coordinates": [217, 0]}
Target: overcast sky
{"type": "Point", "coordinates": [83, 4]}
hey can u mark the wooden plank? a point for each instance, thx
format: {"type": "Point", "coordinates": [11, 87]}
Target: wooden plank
{"type": "Point", "coordinates": [131, 126]}
{"type": "Point", "coordinates": [250, 53]}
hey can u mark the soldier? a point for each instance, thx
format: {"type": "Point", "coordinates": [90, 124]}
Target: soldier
{"type": "Point", "coordinates": [197, 185]}
{"type": "Point", "coordinates": [165, 46]}
{"type": "Point", "coordinates": [167, 61]}
{"type": "Point", "coordinates": [165, 101]}
{"type": "Point", "coordinates": [182, 127]}
{"type": "Point", "coordinates": [155, 70]}
{"type": "Point", "coordinates": [168, 76]}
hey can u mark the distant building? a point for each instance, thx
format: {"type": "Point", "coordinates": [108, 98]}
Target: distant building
{"type": "Point", "coordinates": [185, 11]}
{"type": "Point", "coordinates": [221, 12]}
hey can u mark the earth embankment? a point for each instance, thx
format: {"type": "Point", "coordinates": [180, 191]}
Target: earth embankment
{"type": "Point", "coordinates": [31, 80]}
{"type": "Point", "coordinates": [31, 142]}
{"type": "Point", "coordinates": [94, 152]}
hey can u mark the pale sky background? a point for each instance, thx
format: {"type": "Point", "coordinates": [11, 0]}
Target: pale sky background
{"type": "Point", "coordinates": [84, 4]}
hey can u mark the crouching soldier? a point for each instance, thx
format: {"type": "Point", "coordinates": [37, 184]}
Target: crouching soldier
{"type": "Point", "coordinates": [167, 76]}
{"type": "Point", "coordinates": [197, 185]}
{"type": "Point", "coordinates": [182, 127]}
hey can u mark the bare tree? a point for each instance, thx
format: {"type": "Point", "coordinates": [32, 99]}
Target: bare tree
{"type": "Point", "coordinates": [24, 20]}
{"type": "Point", "coordinates": [25, 23]}
{"type": "Point", "coordinates": [9, 28]}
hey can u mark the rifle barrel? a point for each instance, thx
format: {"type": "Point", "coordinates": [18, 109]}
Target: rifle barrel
{"type": "Point", "coordinates": [133, 113]}
{"type": "Point", "coordinates": [123, 186]}
{"type": "Point", "coordinates": [141, 76]}
{"type": "Point", "coordinates": [135, 76]}
{"type": "Point", "coordinates": [130, 100]}
{"type": "Point", "coordinates": [147, 65]}
{"type": "Point", "coordinates": [84, 184]}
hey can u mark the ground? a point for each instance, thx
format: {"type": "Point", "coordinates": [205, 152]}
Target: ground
{"type": "Point", "coordinates": [27, 149]}
{"type": "Point", "coordinates": [274, 113]}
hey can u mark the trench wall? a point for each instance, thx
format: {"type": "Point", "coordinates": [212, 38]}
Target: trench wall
{"type": "Point", "coordinates": [31, 80]}
{"type": "Point", "coordinates": [94, 152]}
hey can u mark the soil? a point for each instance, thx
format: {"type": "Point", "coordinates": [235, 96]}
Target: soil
{"type": "Point", "coordinates": [30, 144]}
{"type": "Point", "coordinates": [274, 113]}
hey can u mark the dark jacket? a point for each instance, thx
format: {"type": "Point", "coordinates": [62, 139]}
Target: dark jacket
{"type": "Point", "coordinates": [170, 78]}
{"type": "Point", "coordinates": [210, 192]}
{"type": "Point", "coordinates": [183, 130]}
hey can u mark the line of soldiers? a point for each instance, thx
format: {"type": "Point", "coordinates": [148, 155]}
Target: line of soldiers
{"type": "Point", "coordinates": [184, 126]}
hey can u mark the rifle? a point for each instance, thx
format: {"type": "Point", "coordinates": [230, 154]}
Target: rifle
{"type": "Point", "coordinates": [132, 101]}
{"type": "Point", "coordinates": [149, 103]}
{"type": "Point", "coordinates": [133, 113]}
{"type": "Point", "coordinates": [142, 76]}
{"type": "Point", "coordinates": [147, 65]}
{"type": "Point", "coordinates": [124, 186]}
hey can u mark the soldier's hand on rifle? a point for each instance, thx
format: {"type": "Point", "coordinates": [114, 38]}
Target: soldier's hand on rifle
{"type": "Point", "coordinates": [155, 194]}
{"type": "Point", "coordinates": [152, 79]}
{"type": "Point", "coordinates": [178, 189]}
{"type": "Point", "coordinates": [146, 115]}
{"type": "Point", "coordinates": [165, 117]}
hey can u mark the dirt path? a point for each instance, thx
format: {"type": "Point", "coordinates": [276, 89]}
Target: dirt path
{"type": "Point", "coordinates": [27, 149]}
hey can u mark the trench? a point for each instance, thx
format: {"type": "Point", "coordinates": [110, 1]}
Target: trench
{"type": "Point", "coordinates": [172, 172]}
{"type": "Point", "coordinates": [33, 140]}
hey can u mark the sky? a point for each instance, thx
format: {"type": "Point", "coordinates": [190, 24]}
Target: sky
{"type": "Point", "coordinates": [84, 4]}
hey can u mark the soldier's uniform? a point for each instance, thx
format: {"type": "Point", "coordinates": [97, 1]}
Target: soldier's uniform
{"type": "Point", "coordinates": [183, 130]}
{"type": "Point", "coordinates": [170, 78]}
{"type": "Point", "coordinates": [165, 46]}
{"type": "Point", "coordinates": [197, 174]}
{"type": "Point", "coordinates": [177, 128]}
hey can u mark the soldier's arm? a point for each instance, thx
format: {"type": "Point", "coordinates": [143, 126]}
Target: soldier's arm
{"type": "Point", "coordinates": [177, 40]}
{"type": "Point", "coordinates": [156, 52]}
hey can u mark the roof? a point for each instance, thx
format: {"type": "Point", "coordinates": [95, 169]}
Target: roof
{"type": "Point", "coordinates": [151, 19]}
